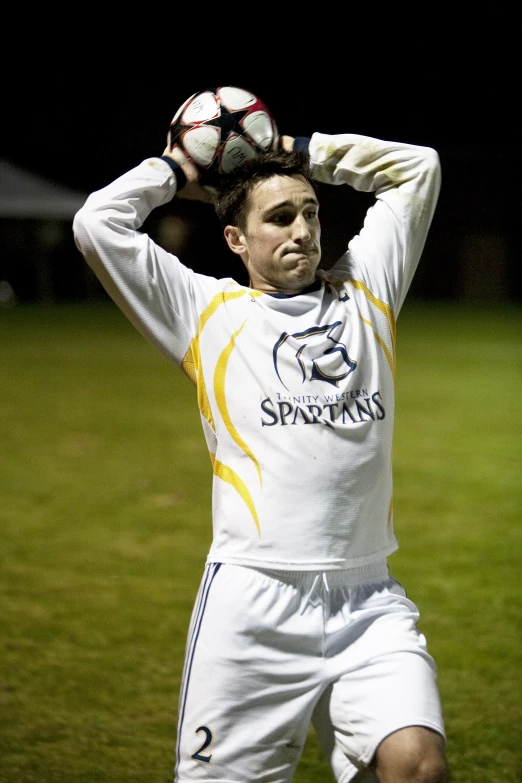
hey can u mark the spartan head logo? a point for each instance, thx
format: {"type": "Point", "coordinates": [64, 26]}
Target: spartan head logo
{"type": "Point", "coordinates": [312, 355]}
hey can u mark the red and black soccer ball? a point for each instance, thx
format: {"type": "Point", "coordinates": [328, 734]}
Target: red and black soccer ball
{"type": "Point", "coordinates": [218, 129]}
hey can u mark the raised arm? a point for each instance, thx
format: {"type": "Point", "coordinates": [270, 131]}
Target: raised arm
{"type": "Point", "coordinates": [406, 180]}
{"type": "Point", "coordinates": [153, 288]}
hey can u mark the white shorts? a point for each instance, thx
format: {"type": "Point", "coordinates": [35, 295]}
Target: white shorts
{"type": "Point", "coordinates": [268, 653]}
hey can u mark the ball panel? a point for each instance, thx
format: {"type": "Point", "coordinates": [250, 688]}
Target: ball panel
{"type": "Point", "coordinates": [235, 151]}
{"type": "Point", "coordinates": [203, 106]}
{"type": "Point", "coordinates": [234, 98]}
{"type": "Point", "coordinates": [259, 126]}
{"type": "Point", "coordinates": [201, 143]}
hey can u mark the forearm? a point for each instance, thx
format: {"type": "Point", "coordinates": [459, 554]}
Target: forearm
{"type": "Point", "coordinates": [146, 282]}
{"type": "Point", "coordinates": [405, 180]}
{"type": "Point", "coordinates": [375, 166]}
{"type": "Point", "coordinates": [112, 215]}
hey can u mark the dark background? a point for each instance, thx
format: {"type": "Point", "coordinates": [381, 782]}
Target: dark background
{"type": "Point", "coordinates": [81, 128]}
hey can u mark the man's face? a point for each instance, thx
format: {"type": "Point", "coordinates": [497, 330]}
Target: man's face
{"type": "Point", "coordinates": [281, 244]}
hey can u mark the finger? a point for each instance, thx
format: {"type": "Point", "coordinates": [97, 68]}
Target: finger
{"type": "Point", "coordinates": [189, 169]}
{"type": "Point", "coordinates": [287, 143]}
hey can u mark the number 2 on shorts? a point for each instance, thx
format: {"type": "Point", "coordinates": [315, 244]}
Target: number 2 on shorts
{"type": "Point", "coordinates": [208, 739]}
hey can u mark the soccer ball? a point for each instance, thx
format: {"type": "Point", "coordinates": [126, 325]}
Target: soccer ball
{"type": "Point", "coordinates": [218, 129]}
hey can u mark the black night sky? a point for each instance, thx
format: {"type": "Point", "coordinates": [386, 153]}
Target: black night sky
{"type": "Point", "coordinates": [81, 126]}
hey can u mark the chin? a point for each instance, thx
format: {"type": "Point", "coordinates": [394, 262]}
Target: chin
{"type": "Point", "coordinates": [306, 277]}
{"type": "Point", "coordinates": [297, 284]}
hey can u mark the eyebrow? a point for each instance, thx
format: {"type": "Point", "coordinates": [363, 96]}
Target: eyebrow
{"type": "Point", "coordinates": [310, 201]}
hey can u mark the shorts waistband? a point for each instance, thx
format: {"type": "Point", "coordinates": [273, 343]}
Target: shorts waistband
{"type": "Point", "coordinates": [348, 577]}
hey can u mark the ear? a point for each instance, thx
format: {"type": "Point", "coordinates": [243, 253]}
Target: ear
{"type": "Point", "coordinates": [235, 239]}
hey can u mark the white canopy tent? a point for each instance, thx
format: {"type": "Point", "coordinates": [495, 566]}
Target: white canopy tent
{"type": "Point", "coordinates": [27, 195]}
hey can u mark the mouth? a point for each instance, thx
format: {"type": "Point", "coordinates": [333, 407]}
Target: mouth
{"type": "Point", "coordinates": [299, 254]}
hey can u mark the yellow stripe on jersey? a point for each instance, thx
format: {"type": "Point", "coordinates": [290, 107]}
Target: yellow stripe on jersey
{"type": "Point", "coordinates": [219, 391]}
{"type": "Point", "coordinates": [191, 364]}
{"type": "Point", "coordinates": [383, 345]}
{"type": "Point", "coordinates": [188, 364]}
{"type": "Point", "coordinates": [227, 474]}
{"type": "Point", "coordinates": [382, 306]}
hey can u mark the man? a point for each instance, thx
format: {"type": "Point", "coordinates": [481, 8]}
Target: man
{"type": "Point", "coordinates": [297, 619]}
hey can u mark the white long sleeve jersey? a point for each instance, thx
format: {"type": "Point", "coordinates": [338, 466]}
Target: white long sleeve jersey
{"type": "Point", "coordinates": [296, 393]}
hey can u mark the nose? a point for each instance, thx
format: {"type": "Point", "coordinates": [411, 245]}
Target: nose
{"type": "Point", "coordinates": [301, 229]}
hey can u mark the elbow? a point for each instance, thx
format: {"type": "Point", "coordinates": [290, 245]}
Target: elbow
{"type": "Point", "coordinates": [433, 166]}
{"type": "Point", "coordinates": [432, 159]}
{"type": "Point", "coordinates": [77, 219]}
{"type": "Point", "coordinates": [84, 232]}
{"type": "Point", "coordinates": [79, 231]}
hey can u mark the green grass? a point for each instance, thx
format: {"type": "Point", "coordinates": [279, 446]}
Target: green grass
{"type": "Point", "coordinates": [105, 524]}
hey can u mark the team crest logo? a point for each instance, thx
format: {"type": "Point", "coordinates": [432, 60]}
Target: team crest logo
{"type": "Point", "coordinates": [312, 355]}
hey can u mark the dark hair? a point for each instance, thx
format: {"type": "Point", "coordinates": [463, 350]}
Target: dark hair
{"type": "Point", "coordinates": [234, 189]}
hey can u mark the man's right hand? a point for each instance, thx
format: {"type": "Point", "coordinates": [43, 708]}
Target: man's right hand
{"type": "Point", "coordinates": [192, 190]}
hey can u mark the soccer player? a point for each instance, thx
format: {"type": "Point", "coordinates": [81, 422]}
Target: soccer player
{"type": "Point", "coordinates": [297, 619]}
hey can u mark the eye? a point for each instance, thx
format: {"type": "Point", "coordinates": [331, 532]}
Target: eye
{"type": "Point", "coordinates": [281, 219]}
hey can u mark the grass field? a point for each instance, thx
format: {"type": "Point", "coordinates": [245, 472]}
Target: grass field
{"type": "Point", "coordinates": [105, 524]}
